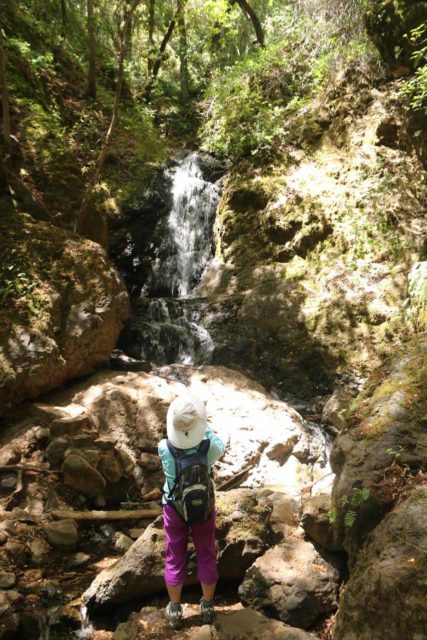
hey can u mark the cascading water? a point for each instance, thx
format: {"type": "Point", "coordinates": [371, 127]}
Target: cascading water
{"type": "Point", "coordinates": [169, 329]}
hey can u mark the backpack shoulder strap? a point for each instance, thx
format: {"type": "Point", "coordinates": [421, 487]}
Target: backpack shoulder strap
{"type": "Point", "coordinates": [178, 454]}
{"type": "Point", "coordinates": [203, 447]}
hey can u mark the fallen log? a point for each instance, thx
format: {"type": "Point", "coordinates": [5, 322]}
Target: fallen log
{"type": "Point", "coordinates": [123, 514]}
{"type": "Point", "coordinates": [26, 467]}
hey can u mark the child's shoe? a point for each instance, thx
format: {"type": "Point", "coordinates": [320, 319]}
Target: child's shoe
{"type": "Point", "coordinates": [207, 610]}
{"type": "Point", "coordinates": [173, 613]}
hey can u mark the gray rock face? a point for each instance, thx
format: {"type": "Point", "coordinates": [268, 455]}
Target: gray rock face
{"type": "Point", "coordinates": [292, 582]}
{"type": "Point", "coordinates": [315, 521]}
{"type": "Point", "coordinates": [82, 477]}
{"type": "Point", "coordinates": [385, 596]}
{"type": "Point", "coordinates": [260, 431]}
{"type": "Point", "coordinates": [335, 409]}
{"type": "Point", "coordinates": [63, 533]}
{"type": "Point", "coordinates": [363, 454]}
{"type": "Point", "coordinates": [139, 573]}
{"type": "Point", "coordinates": [84, 306]}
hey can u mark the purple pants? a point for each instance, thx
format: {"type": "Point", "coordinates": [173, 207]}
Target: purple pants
{"type": "Point", "coordinates": [177, 533]}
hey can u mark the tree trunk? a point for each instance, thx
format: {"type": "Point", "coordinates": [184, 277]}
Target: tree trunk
{"type": "Point", "coordinates": [123, 48]}
{"type": "Point", "coordinates": [150, 56]}
{"type": "Point", "coordinates": [64, 18]}
{"type": "Point", "coordinates": [158, 62]}
{"type": "Point", "coordinates": [251, 15]}
{"type": "Point", "coordinates": [4, 97]}
{"type": "Point", "coordinates": [91, 85]}
{"type": "Point", "coordinates": [183, 52]}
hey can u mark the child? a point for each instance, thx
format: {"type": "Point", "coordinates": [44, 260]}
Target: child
{"type": "Point", "coordinates": [186, 429]}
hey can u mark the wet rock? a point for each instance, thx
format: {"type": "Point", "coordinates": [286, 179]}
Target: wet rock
{"type": "Point", "coordinates": [316, 514]}
{"type": "Point", "coordinates": [7, 579]}
{"type": "Point", "coordinates": [391, 603]}
{"type": "Point", "coordinates": [63, 534]}
{"type": "Point", "coordinates": [292, 582]}
{"type": "Point", "coordinates": [67, 426]}
{"type": "Point", "coordinates": [335, 408]}
{"type": "Point", "coordinates": [55, 452]}
{"type": "Point", "coordinates": [82, 477]}
{"type": "Point", "coordinates": [139, 573]}
{"type": "Point", "coordinates": [119, 361]}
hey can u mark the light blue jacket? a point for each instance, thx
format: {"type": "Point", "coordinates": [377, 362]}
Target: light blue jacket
{"type": "Point", "coordinates": [216, 450]}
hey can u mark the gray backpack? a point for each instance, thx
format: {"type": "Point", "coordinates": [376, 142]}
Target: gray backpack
{"type": "Point", "coordinates": [192, 495]}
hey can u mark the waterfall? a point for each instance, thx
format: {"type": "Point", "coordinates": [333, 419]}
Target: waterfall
{"type": "Point", "coordinates": [190, 224]}
{"type": "Point", "coordinates": [169, 329]}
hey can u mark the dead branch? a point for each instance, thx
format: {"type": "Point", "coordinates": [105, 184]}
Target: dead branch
{"type": "Point", "coordinates": [12, 500]}
{"type": "Point", "coordinates": [238, 477]}
{"type": "Point", "coordinates": [23, 467]}
{"type": "Point", "coordinates": [90, 516]}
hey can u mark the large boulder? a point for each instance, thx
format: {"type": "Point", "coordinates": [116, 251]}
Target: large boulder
{"type": "Point", "coordinates": [385, 596]}
{"type": "Point", "coordinates": [262, 434]}
{"type": "Point", "coordinates": [385, 442]}
{"type": "Point", "coordinates": [63, 307]}
{"type": "Point", "coordinates": [292, 582]}
{"type": "Point", "coordinates": [243, 535]}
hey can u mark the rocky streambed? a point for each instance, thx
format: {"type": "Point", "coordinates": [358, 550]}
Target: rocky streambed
{"type": "Point", "coordinates": [284, 544]}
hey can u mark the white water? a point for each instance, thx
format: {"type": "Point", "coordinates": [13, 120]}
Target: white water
{"type": "Point", "coordinates": [170, 329]}
{"type": "Point", "coordinates": [189, 230]}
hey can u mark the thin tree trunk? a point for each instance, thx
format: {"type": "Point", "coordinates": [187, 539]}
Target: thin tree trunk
{"type": "Point", "coordinates": [64, 18]}
{"type": "Point", "coordinates": [183, 52]}
{"type": "Point", "coordinates": [91, 86]}
{"type": "Point", "coordinates": [150, 60]}
{"type": "Point", "coordinates": [124, 36]}
{"type": "Point", "coordinates": [158, 62]}
{"type": "Point", "coordinates": [251, 15]}
{"type": "Point", "coordinates": [4, 97]}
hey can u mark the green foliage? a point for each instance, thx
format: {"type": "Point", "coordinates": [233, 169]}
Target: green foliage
{"type": "Point", "coordinates": [416, 303]}
{"type": "Point", "coordinates": [357, 498]}
{"type": "Point", "coordinates": [17, 287]}
{"type": "Point", "coordinates": [250, 106]}
{"type": "Point", "coordinates": [332, 515]}
{"type": "Point", "coordinates": [416, 88]}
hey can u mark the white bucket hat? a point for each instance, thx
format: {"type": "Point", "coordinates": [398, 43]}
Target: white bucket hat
{"type": "Point", "coordinates": [186, 421]}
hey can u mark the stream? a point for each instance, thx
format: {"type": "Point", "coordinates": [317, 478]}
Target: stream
{"type": "Point", "coordinates": [168, 329]}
